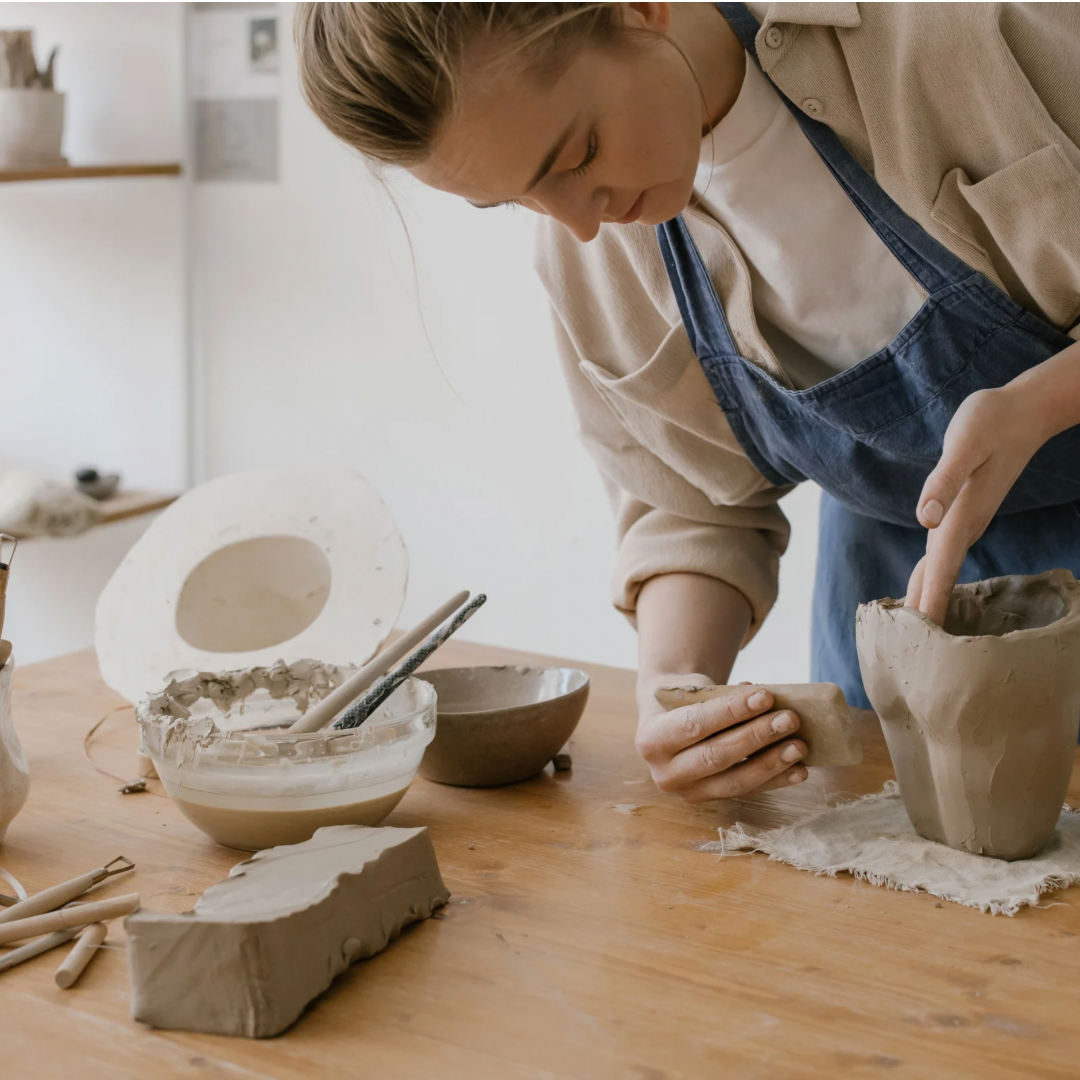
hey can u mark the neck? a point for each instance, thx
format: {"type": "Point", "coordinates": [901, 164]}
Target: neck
{"type": "Point", "coordinates": [715, 55]}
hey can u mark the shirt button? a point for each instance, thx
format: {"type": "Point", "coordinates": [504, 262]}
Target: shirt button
{"type": "Point", "coordinates": [774, 37]}
{"type": "Point", "coordinates": [813, 107]}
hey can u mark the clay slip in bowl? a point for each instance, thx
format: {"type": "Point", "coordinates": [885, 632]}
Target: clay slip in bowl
{"type": "Point", "coordinates": [499, 725]}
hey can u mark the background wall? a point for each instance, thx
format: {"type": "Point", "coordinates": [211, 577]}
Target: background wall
{"type": "Point", "coordinates": [92, 301]}
{"type": "Point", "coordinates": [326, 333]}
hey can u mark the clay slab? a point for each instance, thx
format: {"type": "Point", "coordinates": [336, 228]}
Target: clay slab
{"type": "Point", "coordinates": [824, 716]}
{"type": "Point", "coordinates": [260, 945]}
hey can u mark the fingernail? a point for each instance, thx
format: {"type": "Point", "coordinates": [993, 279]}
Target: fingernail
{"type": "Point", "coordinates": [796, 776]}
{"type": "Point", "coordinates": [783, 723]}
{"type": "Point", "coordinates": [933, 512]}
{"type": "Point", "coordinates": [759, 700]}
{"type": "Point", "coordinates": [791, 752]}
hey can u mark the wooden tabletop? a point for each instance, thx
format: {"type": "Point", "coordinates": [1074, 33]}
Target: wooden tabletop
{"type": "Point", "coordinates": [582, 940]}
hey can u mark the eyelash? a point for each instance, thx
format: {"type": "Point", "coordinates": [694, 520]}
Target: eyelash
{"type": "Point", "coordinates": [590, 155]}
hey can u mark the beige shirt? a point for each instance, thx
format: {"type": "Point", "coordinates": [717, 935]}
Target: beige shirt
{"type": "Point", "coordinates": [969, 117]}
{"type": "Point", "coordinates": [827, 290]}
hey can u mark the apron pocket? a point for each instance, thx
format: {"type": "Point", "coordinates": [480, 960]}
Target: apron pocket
{"type": "Point", "coordinates": [1025, 215]}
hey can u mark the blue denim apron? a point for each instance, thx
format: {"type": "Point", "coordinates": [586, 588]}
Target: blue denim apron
{"type": "Point", "coordinates": [869, 436]}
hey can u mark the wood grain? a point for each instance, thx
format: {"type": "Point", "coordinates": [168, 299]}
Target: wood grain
{"type": "Point", "coordinates": [580, 941]}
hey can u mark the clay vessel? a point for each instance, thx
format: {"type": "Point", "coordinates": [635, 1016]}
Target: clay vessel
{"type": "Point", "coordinates": [14, 774]}
{"type": "Point", "coordinates": [981, 715]}
{"type": "Point", "coordinates": [499, 725]}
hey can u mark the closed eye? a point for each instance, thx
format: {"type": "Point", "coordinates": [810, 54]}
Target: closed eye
{"type": "Point", "coordinates": [590, 155]}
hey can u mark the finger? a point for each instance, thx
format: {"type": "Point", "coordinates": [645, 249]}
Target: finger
{"type": "Point", "coordinates": [726, 749]}
{"type": "Point", "coordinates": [945, 552]}
{"type": "Point", "coordinates": [751, 775]}
{"type": "Point", "coordinates": [914, 589]}
{"type": "Point", "coordinates": [944, 484]}
{"type": "Point", "coordinates": [665, 735]}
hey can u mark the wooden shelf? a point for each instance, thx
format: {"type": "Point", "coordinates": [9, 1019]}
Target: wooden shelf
{"type": "Point", "coordinates": [85, 172]}
{"type": "Point", "coordinates": [126, 504]}
{"type": "Point", "coordinates": [129, 504]}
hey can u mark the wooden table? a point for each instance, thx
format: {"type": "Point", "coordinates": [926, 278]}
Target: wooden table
{"type": "Point", "coordinates": [581, 941]}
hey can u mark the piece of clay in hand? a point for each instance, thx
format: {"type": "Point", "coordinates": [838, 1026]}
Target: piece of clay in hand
{"type": "Point", "coordinates": [824, 716]}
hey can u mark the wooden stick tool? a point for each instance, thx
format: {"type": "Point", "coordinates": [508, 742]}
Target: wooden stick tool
{"type": "Point", "coordinates": [356, 714]}
{"type": "Point", "coordinates": [319, 715]}
{"type": "Point", "coordinates": [74, 917]}
{"type": "Point", "coordinates": [65, 892]}
{"type": "Point", "coordinates": [90, 940]}
{"type": "Point", "coordinates": [35, 948]}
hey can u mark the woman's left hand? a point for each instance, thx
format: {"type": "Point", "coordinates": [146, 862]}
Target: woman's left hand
{"type": "Point", "coordinates": [989, 441]}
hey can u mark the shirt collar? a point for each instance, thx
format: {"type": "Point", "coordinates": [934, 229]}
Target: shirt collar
{"type": "Point", "coordinates": [846, 15]}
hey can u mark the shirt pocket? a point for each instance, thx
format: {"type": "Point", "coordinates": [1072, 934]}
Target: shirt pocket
{"type": "Point", "coordinates": [668, 407]}
{"type": "Point", "coordinates": [1024, 221]}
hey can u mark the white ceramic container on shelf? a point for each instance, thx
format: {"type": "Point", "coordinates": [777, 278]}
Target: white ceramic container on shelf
{"type": "Point", "coordinates": [31, 128]}
{"type": "Point", "coordinates": [14, 773]}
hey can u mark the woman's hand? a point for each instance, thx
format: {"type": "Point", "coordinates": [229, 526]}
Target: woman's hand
{"type": "Point", "coordinates": [728, 746]}
{"type": "Point", "coordinates": [989, 441]}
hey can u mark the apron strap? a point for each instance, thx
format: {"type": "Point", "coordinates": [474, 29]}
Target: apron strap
{"type": "Point", "coordinates": [930, 263]}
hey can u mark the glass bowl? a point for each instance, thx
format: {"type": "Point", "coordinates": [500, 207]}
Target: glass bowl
{"type": "Point", "coordinates": [253, 789]}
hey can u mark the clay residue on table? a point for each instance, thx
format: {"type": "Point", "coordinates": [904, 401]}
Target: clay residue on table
{"type": "Point", "coordinates": [980, 716]}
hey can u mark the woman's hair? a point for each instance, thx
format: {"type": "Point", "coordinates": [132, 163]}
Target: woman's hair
{"type": "Point", "coordinates": [383, 76]}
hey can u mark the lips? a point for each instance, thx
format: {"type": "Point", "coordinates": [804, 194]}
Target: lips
{"type": "Point", "coordinates": [633, 213]}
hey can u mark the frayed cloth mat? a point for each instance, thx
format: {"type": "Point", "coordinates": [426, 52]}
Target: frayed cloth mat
{"type": "Point", "coordinates": [872, 839]}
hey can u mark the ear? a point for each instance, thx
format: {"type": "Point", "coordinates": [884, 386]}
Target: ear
{"type": "Point", "coordinates": [654, 17]}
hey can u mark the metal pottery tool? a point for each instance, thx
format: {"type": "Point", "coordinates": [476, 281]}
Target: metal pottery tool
{"type": "Point", "coordinates": [319, 715]}
{"type": "Point", "coordinates": [359, 712]}
{"type": "Point", "coordinates": [52, 898]}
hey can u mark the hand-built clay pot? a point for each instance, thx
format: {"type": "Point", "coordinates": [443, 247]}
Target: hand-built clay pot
{"type": "Point", "coordinates": [14, 775]}
{"type": "Point", "coordinates": [499, 725]}
{"type": "Point", "coordinates": [981, 715]}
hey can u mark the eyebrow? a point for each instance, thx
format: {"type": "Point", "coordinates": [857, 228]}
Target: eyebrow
{"type": "Point", "coordinates": [545, 166]}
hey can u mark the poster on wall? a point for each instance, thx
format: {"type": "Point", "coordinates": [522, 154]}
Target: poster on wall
{"type": "Point", "coordinates": [235, 81]}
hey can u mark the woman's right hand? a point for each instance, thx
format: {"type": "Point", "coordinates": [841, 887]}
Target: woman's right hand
{"type": "Point", "coordinates": [730, 745]}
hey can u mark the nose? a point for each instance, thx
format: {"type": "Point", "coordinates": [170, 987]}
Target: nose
{"type": "Point", "coordinates": [582, 215]}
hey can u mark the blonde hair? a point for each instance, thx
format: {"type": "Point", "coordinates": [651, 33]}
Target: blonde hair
{"type": "Point", "coordinates": [382, 76]}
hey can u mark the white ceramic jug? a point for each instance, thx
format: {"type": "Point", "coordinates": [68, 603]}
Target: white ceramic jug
{"type": "Point", "coordinates": [14, 774]}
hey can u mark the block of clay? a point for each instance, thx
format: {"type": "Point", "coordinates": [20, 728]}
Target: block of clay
{"type": "Point", "coordinates": [980, 715]}
{"type": "Point", "coordinates": [824, 716]}
{"type": "Point", "coordinates": [276, 932]}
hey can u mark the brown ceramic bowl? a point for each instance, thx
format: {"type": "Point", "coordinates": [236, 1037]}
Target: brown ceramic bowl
{"type": "Point", "coordinates": [499, 725]}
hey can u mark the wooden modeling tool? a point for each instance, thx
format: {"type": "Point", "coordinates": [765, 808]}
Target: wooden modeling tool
{"type": "Point", "coordinates": [35, 948]}
{"type": "Point", "coordinates": [65, 892]}
{"type": "Point", "coordinates": [67, 974]}
{"type": "Point", "coordinates": [359, 712]}
{"type": "Point", "coordinates": [69, 918]}
{"type": "Point", "coordinates": [320, 714]}
{"type": "Point", "coordinates": [5, 565]}
{"type": "Point", "coordinates": [824, 716]}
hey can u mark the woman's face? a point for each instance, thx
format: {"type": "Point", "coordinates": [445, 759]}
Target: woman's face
{"type": "Point", "coordinates": [614, 138]}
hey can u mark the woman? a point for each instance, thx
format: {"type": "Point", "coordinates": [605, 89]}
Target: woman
{"type": "Point", "coordinates": [834, 242]}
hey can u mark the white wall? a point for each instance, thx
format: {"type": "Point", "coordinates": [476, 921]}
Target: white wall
{"type": "Point", "coordinates": [313, 327]}
{"type": "Point", "coordinates": [91, 300]}
{"type": "Point", "coordinates": [313, 348]}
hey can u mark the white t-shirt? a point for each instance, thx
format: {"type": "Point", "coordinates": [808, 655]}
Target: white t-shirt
{"type": "Point", "coordinates": [827, 291]}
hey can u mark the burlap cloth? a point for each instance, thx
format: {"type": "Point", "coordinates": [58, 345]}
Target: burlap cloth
{"type": "Point", "coordinates": [872, 839]}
